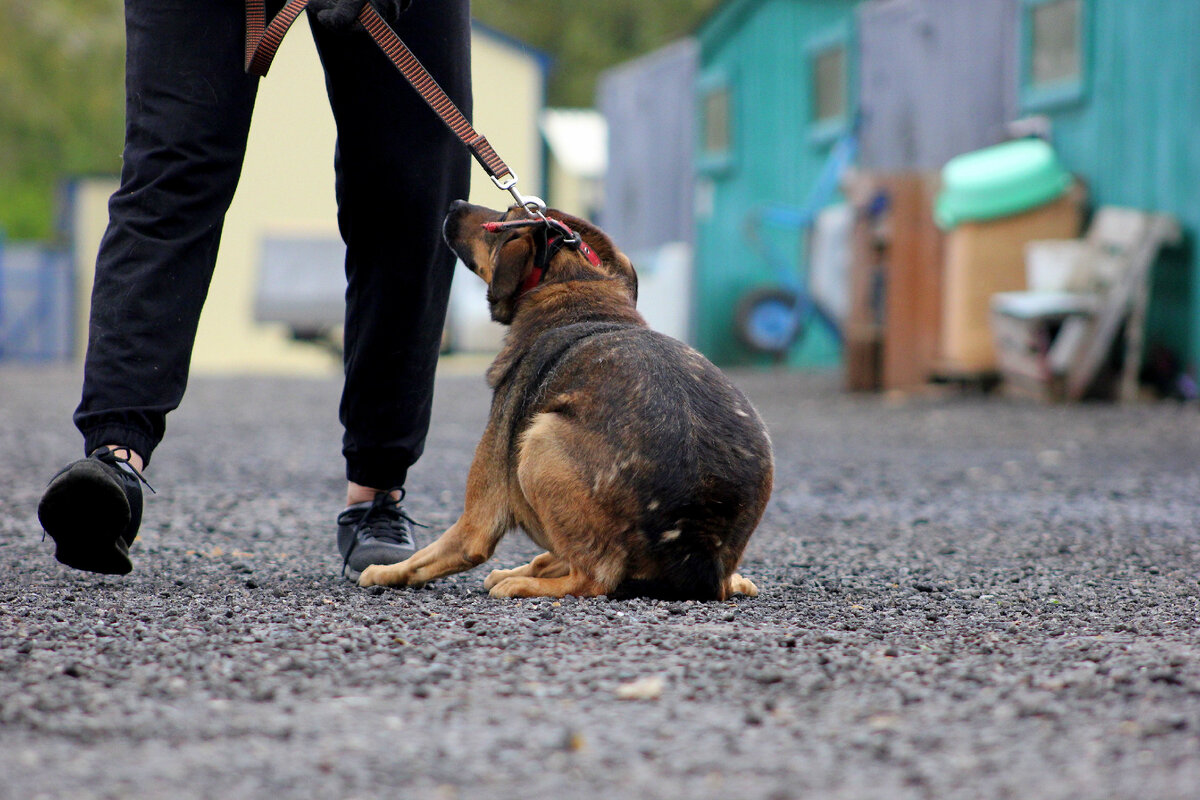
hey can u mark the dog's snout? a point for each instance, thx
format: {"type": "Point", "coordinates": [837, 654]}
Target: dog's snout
{"type": "Point", "coordinates": [450, 224]}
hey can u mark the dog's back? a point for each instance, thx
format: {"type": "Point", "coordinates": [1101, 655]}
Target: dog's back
{"type": "Point", "coordinates": [624, 453]}
{"type": "Point", "coordinates": [675, 455]}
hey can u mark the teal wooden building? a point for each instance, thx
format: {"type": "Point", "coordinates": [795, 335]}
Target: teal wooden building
{"type": "Point", "coordinates": [1114, 83]}
{"type": "Point", "coordinates": [1119, 81]}
{"type": "Point", "coordinates": [775, 90]}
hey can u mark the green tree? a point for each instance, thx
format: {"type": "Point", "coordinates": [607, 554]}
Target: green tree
{"type": "Point", "coordinates": [61, 102]}
{"type": "Point", "coordinates": [62, 98]}
{"type": "Point", "coordinates": [584, 38]}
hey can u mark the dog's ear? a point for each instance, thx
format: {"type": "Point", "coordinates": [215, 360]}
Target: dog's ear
{"type": "Point", "coordinates": [624, 269]}
{"type": "Point", "coordinates": [511, 265]}
{"type": "Point", "coordinates": [612, 260]}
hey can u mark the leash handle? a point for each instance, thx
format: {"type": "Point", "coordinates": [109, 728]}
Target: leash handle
{"type": "Point", "coordinates": [263, 40]}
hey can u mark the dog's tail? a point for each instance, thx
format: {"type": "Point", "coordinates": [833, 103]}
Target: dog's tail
{"type": "Point", "coordinates": [696, 585]}
{"type": "Point", "coordinates": [690, 567]}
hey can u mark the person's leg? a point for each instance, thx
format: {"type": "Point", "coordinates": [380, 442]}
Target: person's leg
{"type": "Point", "coordinates": [398, 168]}
{"type": "Point", "coordinates": [188, 106]}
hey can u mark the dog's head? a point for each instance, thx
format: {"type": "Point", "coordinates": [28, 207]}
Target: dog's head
{"type": "Point", "coordinates": [509, 255]}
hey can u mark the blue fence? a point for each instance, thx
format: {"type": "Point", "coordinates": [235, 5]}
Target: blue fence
{"type": "Point", "coordinates": [37, 304]}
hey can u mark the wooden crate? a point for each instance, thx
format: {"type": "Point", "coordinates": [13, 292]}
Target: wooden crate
{"type": "Point", "coordinates": [985, 258]}
{"type": "Point", "coordinates": [895, 282]}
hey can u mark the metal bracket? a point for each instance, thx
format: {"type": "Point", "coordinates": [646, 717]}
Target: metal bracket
{"type": "Point", "coordinates": [505, 182]}
{"type": "Point", "coordinates": [533, 204]}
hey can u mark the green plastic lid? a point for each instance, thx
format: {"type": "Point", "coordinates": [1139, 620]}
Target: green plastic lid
{"type": "Point", "coordinates": [999, 181]}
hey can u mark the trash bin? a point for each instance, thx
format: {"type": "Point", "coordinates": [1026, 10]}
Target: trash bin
{"type": "Point", "coordinates": [993, 203]}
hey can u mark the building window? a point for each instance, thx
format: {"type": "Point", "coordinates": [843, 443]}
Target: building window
{"type": "Point", "coordinates": [716, 123]}
{"type": "Point", "coordinates": [829, 84]}
{"type": "Point", "coordinates": [1054, 55]}
{"type": "Point", "coordinates": [829, 80]}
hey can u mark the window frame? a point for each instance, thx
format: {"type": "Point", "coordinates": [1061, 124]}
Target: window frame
{"type": "Point", "coordinates": [821, 131]}
{"type": "Point", "coordinates": [716, 161]}
{"type": "Point", "coordinates": [1062, 93]}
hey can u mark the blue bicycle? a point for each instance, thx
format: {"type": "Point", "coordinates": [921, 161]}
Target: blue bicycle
{"type": "Point", "coordinates": [771, 319]}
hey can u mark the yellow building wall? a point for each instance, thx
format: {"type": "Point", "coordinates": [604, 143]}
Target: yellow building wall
{"type": "Point", "coordinates": [287, 187]}
{"type": "Point", "coordinates": [509, 94]}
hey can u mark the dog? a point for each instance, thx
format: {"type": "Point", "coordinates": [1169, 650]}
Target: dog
{"type": "Point", "coordinates": [623, 452]}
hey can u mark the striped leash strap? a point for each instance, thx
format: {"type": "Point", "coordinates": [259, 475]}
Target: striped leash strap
{"type": "Point", "coordinates": [263, 40]}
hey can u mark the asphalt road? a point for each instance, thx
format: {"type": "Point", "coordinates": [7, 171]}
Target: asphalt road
{"type": "Point", "coordinates": [961, 597]}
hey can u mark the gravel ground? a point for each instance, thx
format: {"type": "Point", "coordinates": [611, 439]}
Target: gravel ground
{"type": "Point", "coordinates": [961, 597]}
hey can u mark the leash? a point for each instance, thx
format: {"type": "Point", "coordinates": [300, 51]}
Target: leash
{"type": "Point", "coordinates": [263, 40]}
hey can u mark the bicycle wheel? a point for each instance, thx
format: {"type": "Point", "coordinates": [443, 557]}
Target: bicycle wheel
{"type": "Point", "coordinates": [768, 320]}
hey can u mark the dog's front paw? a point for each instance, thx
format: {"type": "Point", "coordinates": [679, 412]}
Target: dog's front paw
{"type": "Point", "coordinates": [386, 575]}
{"type": "Point", "coordinates": [496, 576]}
{"type": "Point", "coordinates": [373, 576]}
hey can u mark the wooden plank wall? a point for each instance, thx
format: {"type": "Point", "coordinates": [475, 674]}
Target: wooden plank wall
{"type": "Point", "coordinates": [649, 104]}
{"type": "Point", "coordinates": [938, 78]}
{"type": "Point", "coordinates": [1135, 137]}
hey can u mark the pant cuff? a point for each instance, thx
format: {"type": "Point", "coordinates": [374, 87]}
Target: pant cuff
{"type": "Point", "coordinates": [137, 441]}
{"type": "Point", "coordinates": [376, 471]}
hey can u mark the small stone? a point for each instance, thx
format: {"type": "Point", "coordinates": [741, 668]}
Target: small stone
{"type": "Point", "coordinates": [1050, 459]}
{"type": "Point", "coordinates": [767, 676]}
{"type": "Point", "coordinates": [648, 688]}
{"type": "Point", "coordinates": [1164, 725]}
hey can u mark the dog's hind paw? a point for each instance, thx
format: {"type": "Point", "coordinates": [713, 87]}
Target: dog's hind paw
{"type": "Point", "coordinates": [574, 583]}
{"type": "Point", "coordinates": [740, 585]}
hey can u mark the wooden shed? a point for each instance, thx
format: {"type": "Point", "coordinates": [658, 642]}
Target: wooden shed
{"type": "Point", "coordinates": [1111, 83]}
{"type": "Point", "coordinates": [1118, 83]}
{"type": "Point", "coordinates": [937, 79]}
{"type": "Point", "coordinates": [649, 104]}
{"type": "Point", "coordinates": [774, 92]}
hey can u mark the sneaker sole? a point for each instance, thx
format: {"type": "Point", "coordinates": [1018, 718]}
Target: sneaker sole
{"type": "Point", "coordinates": [85, 512]}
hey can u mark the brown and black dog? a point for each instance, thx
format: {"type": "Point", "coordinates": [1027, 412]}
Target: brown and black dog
{"type": "Point", "coordinates": [625, 453]}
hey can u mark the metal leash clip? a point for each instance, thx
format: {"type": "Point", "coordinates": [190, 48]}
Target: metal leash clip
{"type": "Point", "coordinates": [533, 204]}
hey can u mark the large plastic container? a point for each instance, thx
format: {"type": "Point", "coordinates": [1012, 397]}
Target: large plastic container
{"type": "Point", "coordinates": [999, 181]}
{"type": "Point", "coordinates": [983, 258]}
{"type": "Point", "coordinates": [993, 203]}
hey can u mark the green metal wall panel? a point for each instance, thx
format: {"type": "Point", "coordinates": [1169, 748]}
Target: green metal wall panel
{"type": "Point", "coordinates": [759, 49]}
{"type": "Point", "coordinates": [1133, 134]}
{"type": "Point", "coordinates": [1135, 137]}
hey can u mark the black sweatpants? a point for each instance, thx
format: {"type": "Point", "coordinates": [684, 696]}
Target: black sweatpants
{"type": "Point", "coordinates": [397, 168]}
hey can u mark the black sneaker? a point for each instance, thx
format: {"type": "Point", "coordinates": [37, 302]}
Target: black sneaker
{"type": "Point", "coordinates": [376, 532]}
{"type": "Point", "coordinates": [92, 510]}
